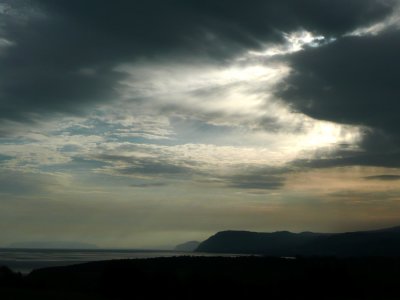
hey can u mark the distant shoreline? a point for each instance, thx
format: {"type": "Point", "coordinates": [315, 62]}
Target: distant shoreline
{"type": "Point", "coordinates": [26, 260]}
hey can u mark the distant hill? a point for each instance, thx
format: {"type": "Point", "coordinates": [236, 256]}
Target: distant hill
{"type": "Point", "coordinates": [188, 246]}
{"type": "Point", "coordinates": [52, 245]}
{"type": "Point", "coordinates": [383, 242]}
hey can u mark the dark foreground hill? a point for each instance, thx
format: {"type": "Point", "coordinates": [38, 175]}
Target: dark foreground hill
{"type": "Point", "coordinates": [384, 242]}
{"type": "Point", "coordinates": [219, 278]}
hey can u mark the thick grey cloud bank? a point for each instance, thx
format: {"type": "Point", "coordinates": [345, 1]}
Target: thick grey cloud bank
{"type": "Point", "coordinates": [60, 56]}
{"type": "Point", "coordinates": [352, 81]}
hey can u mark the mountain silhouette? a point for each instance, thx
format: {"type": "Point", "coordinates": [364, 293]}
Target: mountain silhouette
{"type": "Point", "coordinates": [188, 246]}
{"type": "Point", "coordinates": [382, 242]}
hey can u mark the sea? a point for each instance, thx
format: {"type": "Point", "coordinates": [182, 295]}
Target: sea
{"type": "Point", "coordinates": [26, 260]}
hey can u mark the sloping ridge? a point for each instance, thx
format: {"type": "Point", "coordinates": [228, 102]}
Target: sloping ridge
{"type": "Point", "coordinates": [382, 242]}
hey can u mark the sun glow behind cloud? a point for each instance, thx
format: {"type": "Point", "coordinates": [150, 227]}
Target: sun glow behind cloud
{"type": "Point", "coordinates": [239, 96]}
{"type": "Point", "coordinates": [294, 42]}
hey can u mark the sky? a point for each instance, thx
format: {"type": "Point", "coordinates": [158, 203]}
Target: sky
{"type": "Point", "coordinates": [147, 123]}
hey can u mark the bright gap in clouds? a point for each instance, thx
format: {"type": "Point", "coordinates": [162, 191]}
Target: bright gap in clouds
{"type": "Point", "coordinates": [294, 42]}
{"type": "Point", "coordinates": [239, 96]}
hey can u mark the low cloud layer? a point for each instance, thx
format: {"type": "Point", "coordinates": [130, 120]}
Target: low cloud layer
{"type": "Point", "coordinates": [386, 177]}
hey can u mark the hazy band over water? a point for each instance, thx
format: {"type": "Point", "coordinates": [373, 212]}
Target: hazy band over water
{"type": "Point", "coordinates": [25, 260]}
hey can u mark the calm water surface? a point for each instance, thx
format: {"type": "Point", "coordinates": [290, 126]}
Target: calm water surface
{"type": "Point", "coordinates": [25, 260]}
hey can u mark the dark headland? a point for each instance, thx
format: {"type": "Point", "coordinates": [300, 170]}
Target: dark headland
{"type": "Point", "coordinates": [383, 242]}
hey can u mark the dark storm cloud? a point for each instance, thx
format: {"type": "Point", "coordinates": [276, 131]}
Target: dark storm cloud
{"type": "Point", "coordinates": [63, 53]}
{"type": "Point", "coordinates": [352, 81]}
